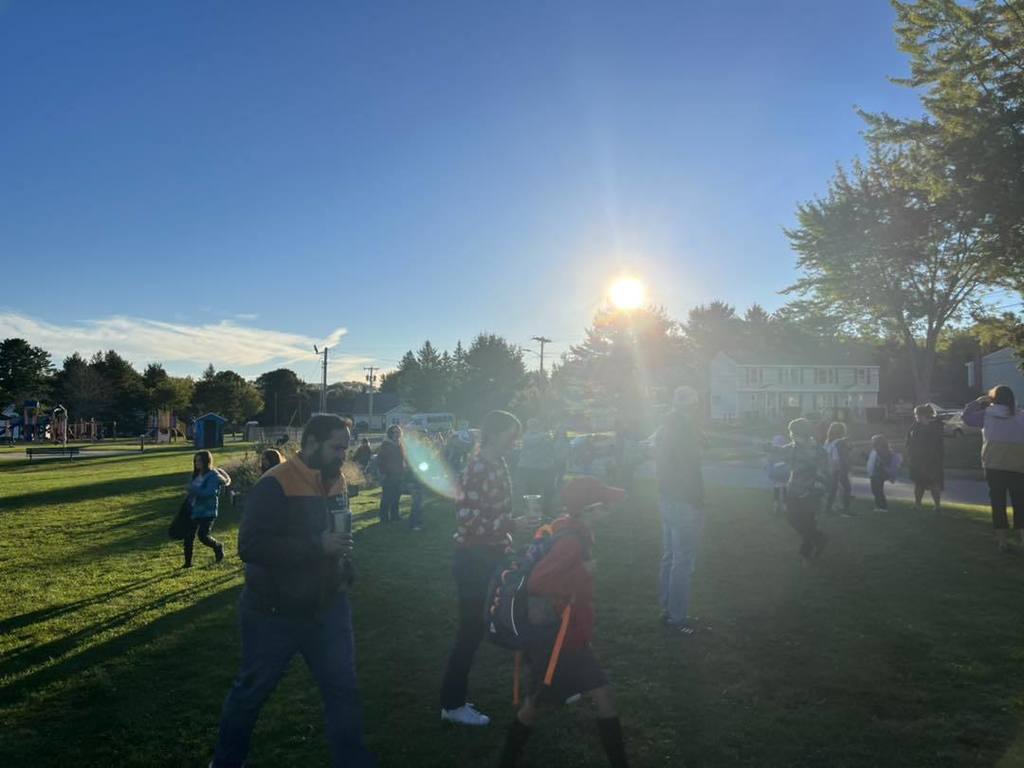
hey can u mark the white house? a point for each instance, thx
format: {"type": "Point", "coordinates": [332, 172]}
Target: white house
{"type": "Point", "coordinates": [744, 386]}
{"type": "Point", "coordinates": [1002, 367]}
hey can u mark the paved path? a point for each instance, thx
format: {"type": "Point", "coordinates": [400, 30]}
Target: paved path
{"type": "Point", "coordinates": [744, 474]}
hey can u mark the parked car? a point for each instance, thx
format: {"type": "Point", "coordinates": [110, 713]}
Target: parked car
{"type": "Point", "coordinates": [953, 425]}
{"type": "Point", "coordinates": [431, 422]}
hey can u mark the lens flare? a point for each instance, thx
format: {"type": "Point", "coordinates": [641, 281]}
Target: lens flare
{"type": "Point", "coordinates": [429, 465]}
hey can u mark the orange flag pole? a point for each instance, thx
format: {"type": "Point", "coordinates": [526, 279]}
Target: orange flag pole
{"type": "Point", "coordinates": [515, 678]}
{"type": "Point", "coordinates": [559, 642]}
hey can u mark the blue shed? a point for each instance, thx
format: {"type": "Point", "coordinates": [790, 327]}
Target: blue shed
{"type": "Point", "coordinates": [208, 431]}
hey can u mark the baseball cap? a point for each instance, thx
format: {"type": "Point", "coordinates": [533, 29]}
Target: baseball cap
{"type": "Point", "coordinates": [580, 492]}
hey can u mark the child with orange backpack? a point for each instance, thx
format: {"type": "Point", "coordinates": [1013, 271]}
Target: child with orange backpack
{"type": "Point", "coordinates": [561, 664]}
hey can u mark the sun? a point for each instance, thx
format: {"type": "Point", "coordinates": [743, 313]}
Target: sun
{"type": "Point", "coordinates": [628, 293]}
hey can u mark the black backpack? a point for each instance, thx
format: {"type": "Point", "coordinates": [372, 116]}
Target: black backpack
{"type": "Point", "coordinates": [507, 614]}
{"type": "Point", "coordinates": [182, 522]}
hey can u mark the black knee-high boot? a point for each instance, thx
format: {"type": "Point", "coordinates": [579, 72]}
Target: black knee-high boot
{"type": "Point", "coordinates": [610, 730]}
{"type": "Point", "coordinates": [515, 740]}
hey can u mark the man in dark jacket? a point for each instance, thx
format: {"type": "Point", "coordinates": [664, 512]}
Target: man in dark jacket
{"type": "Point", "coordinates": [296, 543]}
{"type": "Point", "coordinates": [677, 446]}
{"type": "Point", "coordinates": [391, 465]}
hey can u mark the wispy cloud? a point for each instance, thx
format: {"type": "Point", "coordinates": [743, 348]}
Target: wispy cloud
{"type": "Point", "coordinates": [227, 343]}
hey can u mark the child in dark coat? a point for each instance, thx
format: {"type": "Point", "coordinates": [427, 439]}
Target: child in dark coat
{"type": "Point", "coordinates": [926, 454]}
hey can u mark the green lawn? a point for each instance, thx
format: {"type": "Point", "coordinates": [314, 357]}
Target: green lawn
{"type": "Point", "coordinates": [903, 646]}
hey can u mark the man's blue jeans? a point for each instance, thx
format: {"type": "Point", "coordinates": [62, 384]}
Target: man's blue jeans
{"type": "Point", "coordinates": [681, 528]}
{"type": "Point", "coordinates": [269, 642]}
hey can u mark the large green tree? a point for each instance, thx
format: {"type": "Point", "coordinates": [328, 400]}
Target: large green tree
{"type": "Point", "coordinates": [623, 362]}
{"type": "Point", "coordinates": [889, 252]}
{"type": "Point", "coordinates": [494, 374]}
{"type": "Point", "coordinates": [227, 393]}
{"type": "Point", "coordinates": [279, 389]}
{"type": "Point", "coordinates": [425, 385]}
{"type": "Point", "coordinates": [24, 371]}
{"type": "Point", "coordinates": [83, 390]}
{"type": "Point", "coordinates": [967, 62]}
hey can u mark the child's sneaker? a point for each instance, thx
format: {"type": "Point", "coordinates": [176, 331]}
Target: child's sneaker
{"type": "Point", "coordinates": [464, 715]}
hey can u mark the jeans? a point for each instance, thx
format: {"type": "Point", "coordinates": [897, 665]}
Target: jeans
{"type": "Point", "coordinates": [202, 528]}
{"type": "Point", "coordinates": [839, 481]}
{"type": "Point", "coordinates": [472, 570]}
{"type": "Point", "coordinates": [390, 495]}
{"type": "Point", "coordinates": [269, 641]}
{"type": "Point", "coordinates": [878, 491]}
{"type": "Point", "coordinates": [681, 527]}
{"type": "Point", "coordinates": [1000, 483]}
{"type": "Point", "coordinates": [416, 513]}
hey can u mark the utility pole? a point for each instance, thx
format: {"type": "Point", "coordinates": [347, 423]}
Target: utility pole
{"type": "Point", "coordinates": [371, 380]}
{"type": "Point", "coordinates": [542, 340]}
{"type": "Point", "coordinates": [323, 384]}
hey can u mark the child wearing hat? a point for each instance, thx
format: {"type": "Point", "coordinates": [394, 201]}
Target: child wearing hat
{"type": "Point", "coordinates": [807, 485]}
{"type": "Point", "coordinates": [564, 578]}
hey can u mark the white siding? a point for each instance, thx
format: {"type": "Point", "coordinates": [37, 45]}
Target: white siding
{"type": "Point", "coordinates": [767, 391]}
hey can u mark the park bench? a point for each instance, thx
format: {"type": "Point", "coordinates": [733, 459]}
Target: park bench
{"type": "Point", "coordinates": [69, 452]}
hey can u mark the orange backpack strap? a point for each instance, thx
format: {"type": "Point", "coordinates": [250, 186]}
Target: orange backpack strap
{"type": "Point", "coordinates": [559, 642]}
{"type": "Point", "coordinates": [515, 678]}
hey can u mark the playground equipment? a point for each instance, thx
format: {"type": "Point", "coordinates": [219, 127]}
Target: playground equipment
{"type": "Point", "coordinates": [163, 426]}
{"type": "Point", "coordinates": [59, 425]}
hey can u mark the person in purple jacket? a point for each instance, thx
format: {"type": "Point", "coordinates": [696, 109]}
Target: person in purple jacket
{"type": "Point", "coordinates": [1002, 456]}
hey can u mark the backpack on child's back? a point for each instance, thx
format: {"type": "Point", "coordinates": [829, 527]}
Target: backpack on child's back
{"type": "Point", "coordinates": [513, 617]}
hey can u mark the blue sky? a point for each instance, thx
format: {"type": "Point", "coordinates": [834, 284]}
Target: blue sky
{"type": "Point", "coordinates": [230, 182]}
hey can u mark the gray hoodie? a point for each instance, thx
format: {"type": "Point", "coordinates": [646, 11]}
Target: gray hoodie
{"type": "Point", "coordinates": [1002, 435]}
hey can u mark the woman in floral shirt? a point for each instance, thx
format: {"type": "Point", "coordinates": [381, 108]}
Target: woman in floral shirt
{"type": "Point", "coordinates": [483, 536]}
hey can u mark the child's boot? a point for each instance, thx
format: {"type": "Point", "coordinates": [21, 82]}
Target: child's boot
{"type": "Point", "coordinates": [610, 730]}
{"type": "Point", "coordinates": [515, 740]}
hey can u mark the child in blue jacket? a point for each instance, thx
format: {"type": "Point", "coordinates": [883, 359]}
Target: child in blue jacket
{"type": "Point", "coordinates": [203, 494]}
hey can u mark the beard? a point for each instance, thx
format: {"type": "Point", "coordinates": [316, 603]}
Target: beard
{"type": "Point", "coordinates": [328, 467]}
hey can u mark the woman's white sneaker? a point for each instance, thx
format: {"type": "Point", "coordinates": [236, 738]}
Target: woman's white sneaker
{"type": "Point", "coordinates": [464, 715]}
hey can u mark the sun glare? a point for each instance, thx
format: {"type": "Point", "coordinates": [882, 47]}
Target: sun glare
{"type": "Point", "coordinates": [628, 293]}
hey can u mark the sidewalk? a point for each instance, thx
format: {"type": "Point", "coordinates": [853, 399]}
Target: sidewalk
{"type": "Point", "coordinates": [746, 474]}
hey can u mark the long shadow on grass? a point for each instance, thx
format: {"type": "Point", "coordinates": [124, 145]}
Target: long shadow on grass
{"type": "Point", "coordinates": [46, 614]}
{"type": "Point", "coordinates": [91, 491]}
{"type": "Point", "coordinates": [20, 661]}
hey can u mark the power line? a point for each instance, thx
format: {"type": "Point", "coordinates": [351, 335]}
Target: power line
{"type": "Point", "coordinates": [542, 340]}
{"type": "Point", "coordinates": [371, 379]}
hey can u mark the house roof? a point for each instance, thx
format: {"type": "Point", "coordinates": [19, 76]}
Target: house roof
{"type": "Point", "coordinates": [811, 358]}
{"type": "Point", "coordinates": [1006, 353]}
{"type": "Point", "coordinates": [211, 415]}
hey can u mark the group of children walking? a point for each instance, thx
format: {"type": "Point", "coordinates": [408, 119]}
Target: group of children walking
{"type": "Point", "coordinates": [809, 476]}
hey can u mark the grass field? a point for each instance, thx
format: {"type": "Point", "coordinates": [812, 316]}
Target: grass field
{"type": "Point", "coordinates": [903, 646]}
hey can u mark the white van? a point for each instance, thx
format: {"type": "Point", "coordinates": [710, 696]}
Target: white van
{"type": "Point", "coordinates": [431, 422]}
